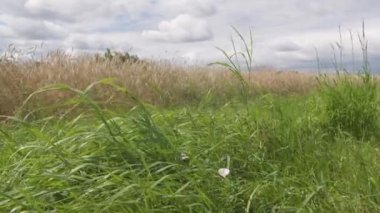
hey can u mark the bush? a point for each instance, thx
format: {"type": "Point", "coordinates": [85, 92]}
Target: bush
{"type": "Point", "coordinates": [119, 57]}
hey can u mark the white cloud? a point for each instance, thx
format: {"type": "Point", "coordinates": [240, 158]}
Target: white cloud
{"type": "Point", "coordinates": [199, 8]}
{"type": "Point", "coordinates": [100, 41]}
{"type": "Point", "coordinates": [33, 29]}
{"type": "Point", "coordinates": [183, 28]}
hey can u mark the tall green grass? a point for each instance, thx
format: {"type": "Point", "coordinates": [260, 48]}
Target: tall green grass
{"type": "Point", "coordinates": [280, 157]}
{"type": "Point", "coordinates": [351, 105]}
{"type": "Point", "coordinates": [351, 100]}
{"type": "Point", "coordinates": [239, 56]}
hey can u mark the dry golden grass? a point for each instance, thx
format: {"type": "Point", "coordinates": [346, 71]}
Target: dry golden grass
{"type": "Point", "coordinates": [284, 83]}
{"type": "Point", "coordinates": [157, 83]}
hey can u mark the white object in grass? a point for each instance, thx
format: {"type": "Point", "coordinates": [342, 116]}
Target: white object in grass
{"type": "Point", "coordinates": [184, 157]}
{"type": "Point", "coordinates": [224, 172]}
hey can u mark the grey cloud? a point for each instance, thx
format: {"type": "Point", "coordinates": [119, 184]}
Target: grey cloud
{"type": "Point", "coordinates": [287, 46]}
{"type": "Point", "coordinates": [66, 8]}
{"type": "Point", "coordinates": [85, 10]}
{"type": "Point", "coordinates": [6, 31]}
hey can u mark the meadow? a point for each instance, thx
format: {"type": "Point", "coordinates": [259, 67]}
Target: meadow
{"type": "Point", "coordinates": [89, 134]}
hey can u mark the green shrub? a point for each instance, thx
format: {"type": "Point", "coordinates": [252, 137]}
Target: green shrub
{"type": "Point", "coordinates": [119, 57]}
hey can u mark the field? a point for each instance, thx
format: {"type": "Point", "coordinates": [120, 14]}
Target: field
{"type": "Point", "coordinates": [95, 135]}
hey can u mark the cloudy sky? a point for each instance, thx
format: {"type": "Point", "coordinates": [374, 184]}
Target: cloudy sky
{"type": "Point", "coordinates": [286, 32]}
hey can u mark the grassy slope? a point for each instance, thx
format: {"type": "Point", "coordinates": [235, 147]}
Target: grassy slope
{"type": "Point", "coordinates": [282, 158]}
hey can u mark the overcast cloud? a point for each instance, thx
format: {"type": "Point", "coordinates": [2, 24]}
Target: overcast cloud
{"type": "Point", "coordinates": [287, 33]}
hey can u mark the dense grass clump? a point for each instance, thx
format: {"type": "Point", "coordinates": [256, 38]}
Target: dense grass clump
{"type": "Point", "coordinates": [351, 104]}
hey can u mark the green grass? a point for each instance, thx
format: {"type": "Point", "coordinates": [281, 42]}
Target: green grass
{"type": "Point", "coordinates": [351, 104]}
{"type": "Point", "coordinates": [280, 150]}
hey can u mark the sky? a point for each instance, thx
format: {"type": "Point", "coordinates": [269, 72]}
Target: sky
{"type": "Point", "coordinates": [287, 34]}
